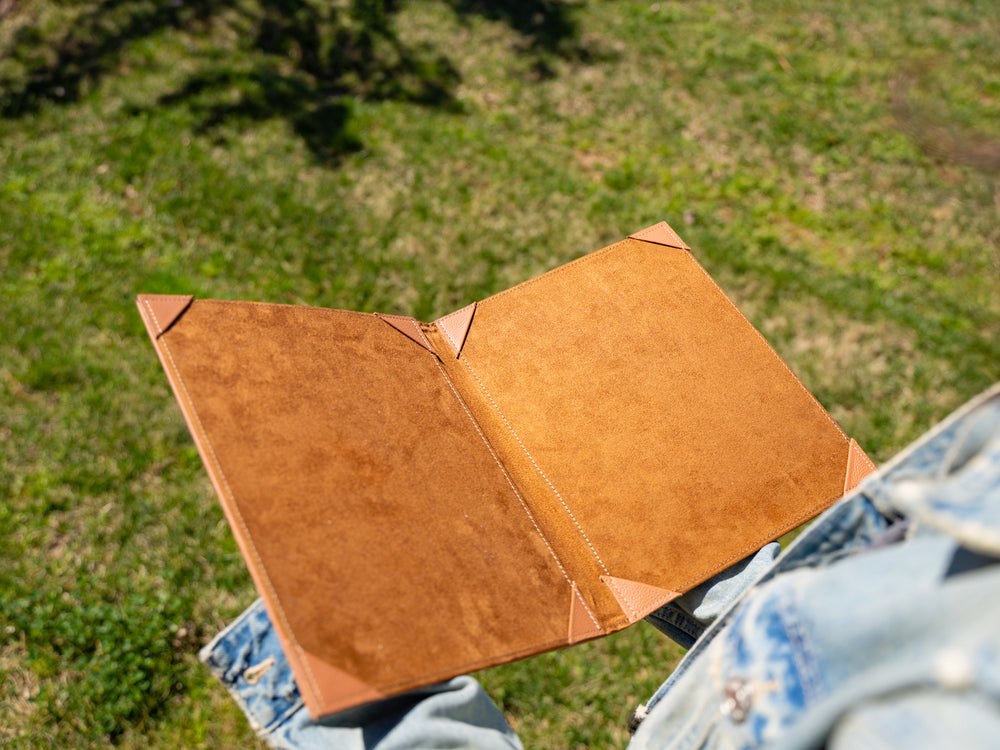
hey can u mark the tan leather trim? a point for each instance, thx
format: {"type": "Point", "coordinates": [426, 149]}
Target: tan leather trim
{"type": "Point", "coordinates": [638, 599]}
{"type": "Point", "coordinates": [160, 311]}
{"type": "Point", "coordinates": [858, 466]}
{"type": "Point", "coordinates": [660, 234]}
{"type": "Point", "coordinates": [582, 624]}
{"type": "Point", "coordinates": [409, 327]}
{"type": "Point", "coordinates": [328, 689]}
{"type": "Point", "coordinates": [455, 327]}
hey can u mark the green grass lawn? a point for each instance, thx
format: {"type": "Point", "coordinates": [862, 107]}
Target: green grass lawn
{"type": "Point", "coordinates": [835, 166]}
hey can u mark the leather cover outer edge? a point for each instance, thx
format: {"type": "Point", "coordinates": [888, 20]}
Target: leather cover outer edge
{"type": "Point", "coordinates": [160, 312]}
{"type": "Point", "coordinates": [314, 676]}
{"type": "Point", "coordinates": [314, 700]}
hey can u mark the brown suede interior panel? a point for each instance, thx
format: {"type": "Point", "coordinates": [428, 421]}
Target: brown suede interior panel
{"type": "Point", "coordinates": [409, 516]}
{"type": "Point", "coordinates": [393, 544]}
{"type": "Point", "coordinates": [558, 527]}
{"type": "Point", "coordinates": [661, 435]}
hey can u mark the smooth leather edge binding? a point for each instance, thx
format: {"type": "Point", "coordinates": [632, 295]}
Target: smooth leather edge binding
{"type": "Point", "coordinates": [327, 689]}
{"type": "Point", "coordinates": [660, 234]}
{"type": "Point", "coordinates": [162, 310]}
{"type": "Point", "coordinates": [858, 466]}
{"type": "Point", "coordinates": [638, 599]}
{"type": "Point", "coordinates": [154, 326]}
{"type": "Point", "coordinates": [455, 327]}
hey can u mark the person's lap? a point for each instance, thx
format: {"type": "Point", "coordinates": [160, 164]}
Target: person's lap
{"type": "Point", "coordinates": [881, 621]}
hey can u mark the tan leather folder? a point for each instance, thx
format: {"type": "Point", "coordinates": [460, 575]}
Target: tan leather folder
{"type": "Point", "coordinates": [545, 466]}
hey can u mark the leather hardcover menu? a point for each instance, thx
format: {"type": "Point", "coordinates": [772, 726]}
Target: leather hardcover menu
{"type": "Point", "coordinates": [419, 500]}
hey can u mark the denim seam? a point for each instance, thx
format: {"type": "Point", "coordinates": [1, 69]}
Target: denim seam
{"type": "Point", "coordinates": [802, 653]}
{"type": "Point", "coordinates": [215, 653]}
{"type": "Point", "coordinates": [232, 687]}
{"type": "Point", "coordinates": [699, 728]}
{"type": "Point", "coordinates": [207, 651]}
{"type": "Point", "coordinates": [272, 725]}
{"type": "Point", "coordinates": [678, 621]}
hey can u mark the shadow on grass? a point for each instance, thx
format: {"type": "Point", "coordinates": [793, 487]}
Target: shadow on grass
{"type": "Point", "coordinates": [942, 139]}
{"type": "Point", "coordinates": [547, 28]}
{"type": "Point", "coordinates": [54, 53]}
{"type": "Point", "coordinates": [303, 61]}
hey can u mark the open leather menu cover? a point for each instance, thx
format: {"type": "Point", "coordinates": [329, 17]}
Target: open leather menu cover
{"type": "Point", "coordinates": [419, 500]}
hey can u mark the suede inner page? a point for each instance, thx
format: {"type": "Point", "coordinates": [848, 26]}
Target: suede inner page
{"type": "Point", "coordinates": [655, 432]}
{"type": "Point", "coordinates": [417, 501]}
{"type": "Point", "coordinates": [379, 527]}
{"type": "Point", "coordinates": [533, 484]}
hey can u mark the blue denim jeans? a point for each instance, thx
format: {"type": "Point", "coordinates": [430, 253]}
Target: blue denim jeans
{"type": "Point", "coordinates": [878, 627]}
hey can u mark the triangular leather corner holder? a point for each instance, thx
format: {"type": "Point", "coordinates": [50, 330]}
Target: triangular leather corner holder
{"type": "Point", "coordinates": [638, 599]}
{"type": "Point", "coordinates": [660, 234]}
{"type": "Point", "coordinates": [160, 311]}
{"type": "Point", "coordinates": [858, 466]}
{"type": "Point", "coordinates": [455, 327]}
{"type": "Point", "coordinates": [582, 624]}
{"type": "Point", "coordinates": [409, 327]}
{"type": "Point", "coordinates": [332, 688]}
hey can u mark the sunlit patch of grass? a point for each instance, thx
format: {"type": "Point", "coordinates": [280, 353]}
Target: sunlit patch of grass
{"type": "Point", "coordinates": [583, 697]}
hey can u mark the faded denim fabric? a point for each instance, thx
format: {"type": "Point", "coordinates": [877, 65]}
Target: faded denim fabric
{"type": "Point", "coordinates": [879, 627]}
{"type": "Point", "coordinates": [247, 658]}
{"type": "Point", "coordinates": [685, 618]}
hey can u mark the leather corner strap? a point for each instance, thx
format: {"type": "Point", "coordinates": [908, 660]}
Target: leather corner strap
{"type": "Point", "coordinates": [409, 327]}
{"type": "Point", "coordinates": [660, 234]}
{"type": "Point", "coordinates": [858, 466]}
{"type": "Point", "coordinates": [455, 327]}
{"type": "Point", "coordinates": [638, 599]}
{"type": "Point", "coordinates": [582, 624]}
{"type": "Point", "coordinates": [160, 311]}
